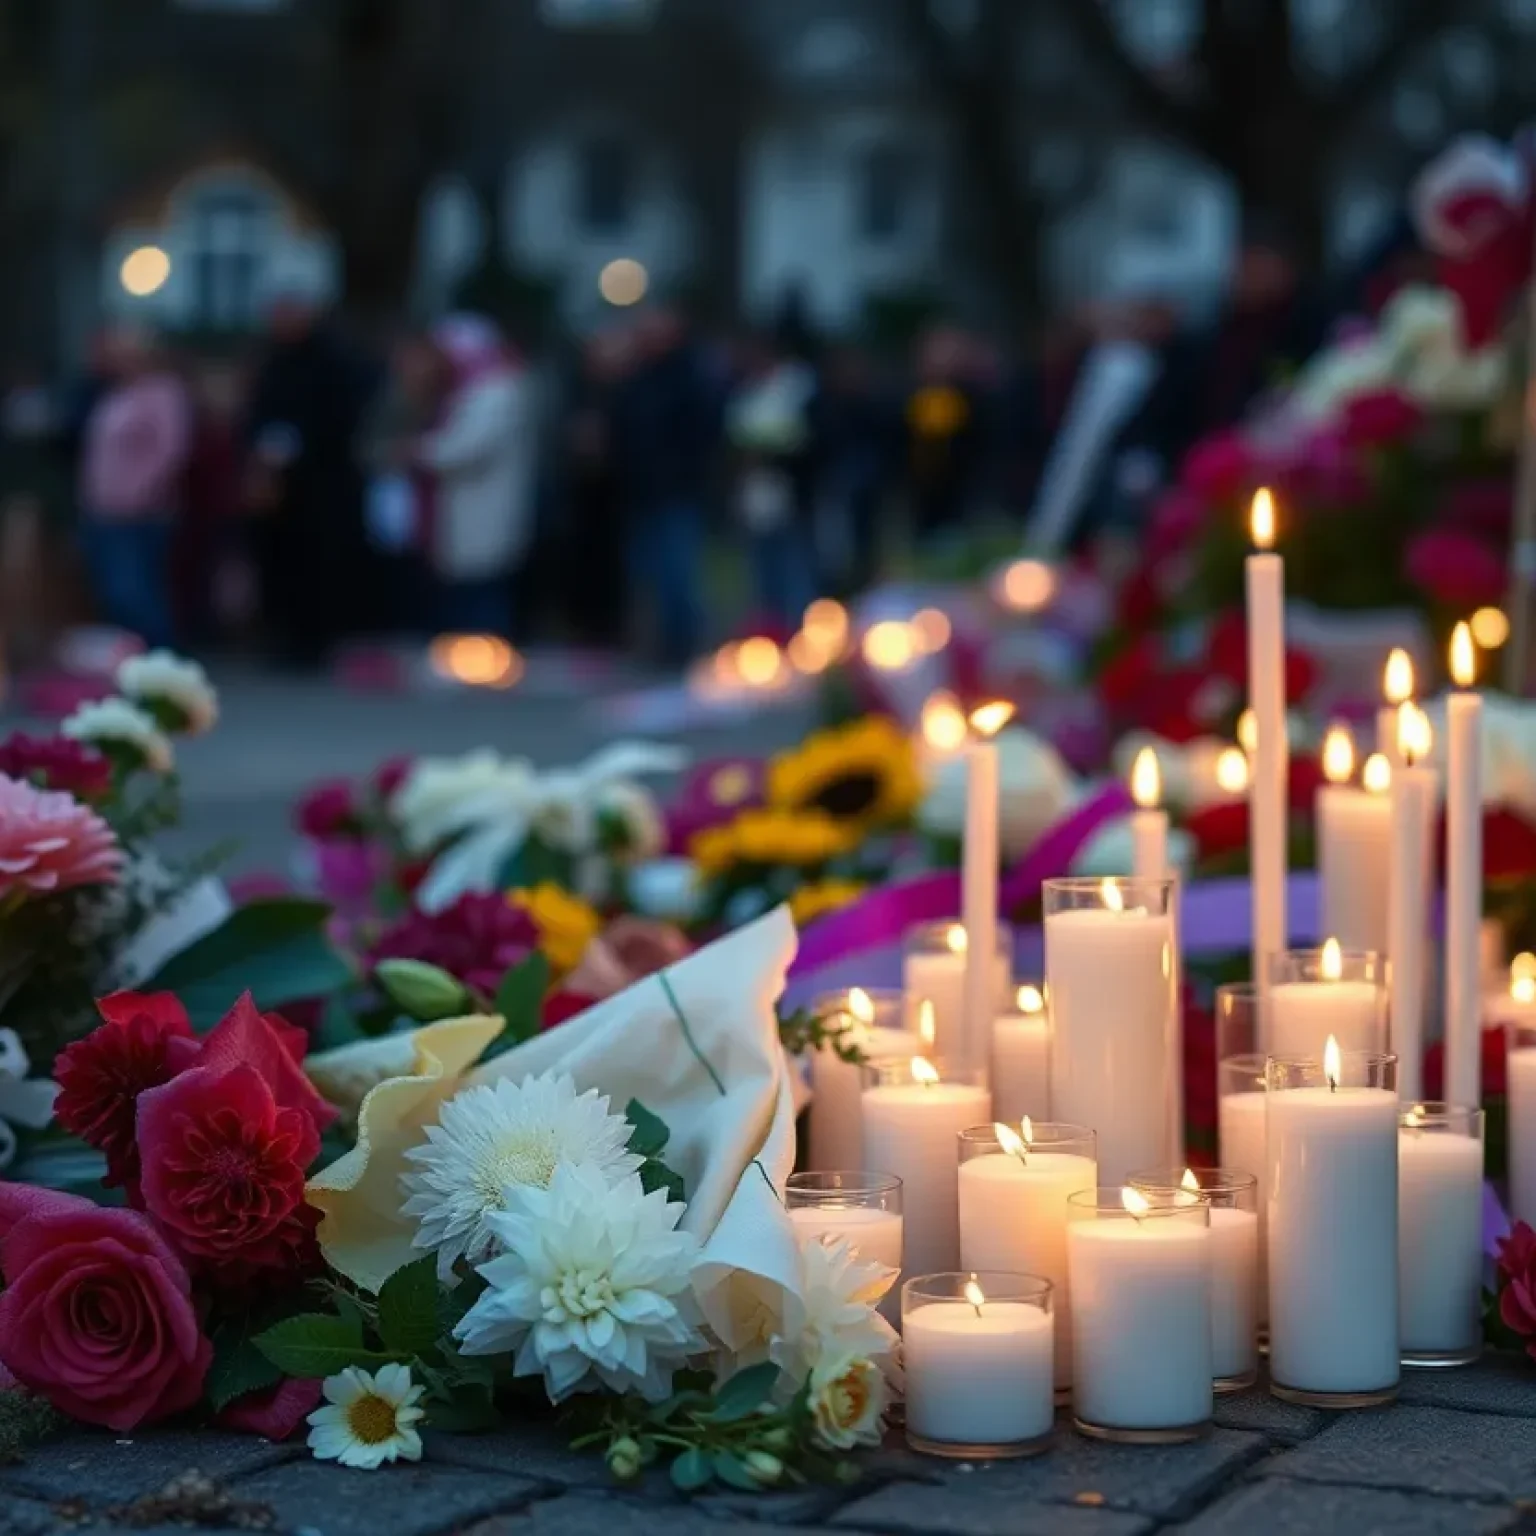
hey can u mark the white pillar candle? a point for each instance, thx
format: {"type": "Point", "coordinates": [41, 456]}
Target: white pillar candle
{"type": "Point", "coordinates": [836, 1121]}
{"type": "Point", "coordinates": [936, 974]}
{"type": "Point", "coordinates": [978, 887]}
{"type": "Point", "coordinates": [1413, 811]}
{"type": "Point", "coordinates": [1354, 845]}
{"type": "Point", "coordinates": [1141, 1315]}
{"type": "Point", "coordinates": [1149, 834]}
{"type": "Point", "coordinates": [1021, 1060]}
{"type": "Point", "coordinates": [1109, 987]}
{"type": "Point", "coordinates": [1326, 1001]}
{"type": "Point", "coordinates": [1440, 1233]}
{"type": "Point", "coordinates": [1522, 1099]}
{"type": "Point", "coordinates": [1013, 1214]}
{"type": "Point", "coordinates": [1463, 877]}
{"type": "Point", "coordinates": [977, 1376]}
{"type": "Point", "coordinates": [1397, 685]}
{"type": "Point", "coordinates": [912, 1129]}
{"type": "Point", "coordinates": [1265, 582]}
{"type": "Point", "coordinates": [1332, 1192]}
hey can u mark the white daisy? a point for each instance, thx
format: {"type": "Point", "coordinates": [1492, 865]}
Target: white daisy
{"type": "Point", "coordinates": [593, 1289]}
{"type": "Point", "coordinates": [367, 1420]}
{"type": "Point", "coordinates": [492, 1140]}
{"type": "Point", "coordinates": [115, 724]}
{"type": "Point", "coordinates": [173, 688]}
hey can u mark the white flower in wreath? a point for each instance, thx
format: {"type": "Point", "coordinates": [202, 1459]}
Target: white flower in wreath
{"type": "Point", "coordinates": [495, 1139]}
{"type": "Point", "coordinates": [564, 813]}
{"type": "Point", "coordinates": [116, 725]}
{"type": "Point", "coordinates": [593, 1290]}
{"type": "Point", "coordinates": [445, 796]}
{"type": "Point", "coordinates": [25, 1101]}
{"type": "Point", "coordinates": [177, 685]}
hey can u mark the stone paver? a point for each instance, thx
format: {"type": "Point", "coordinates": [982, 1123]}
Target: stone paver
{"type": "Point", "coordinates": [1255, 1409]}
{"type": "Point", "coordinates": [988, 1509]}
{"type": "Point", "coordinates": [581, 1515]}
{"type": "Point", "coordinates": [1298, 1509]}
{"type": "Point", "coordinates": [1499, 1385]}
{"type": "Point", "coordinates": [24, 1517]}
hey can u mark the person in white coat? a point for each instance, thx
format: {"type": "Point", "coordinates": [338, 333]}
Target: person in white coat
{"type": "Point", "coordinates": [478, 467]}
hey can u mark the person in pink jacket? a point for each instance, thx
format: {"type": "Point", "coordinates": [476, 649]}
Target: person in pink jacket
{"type": "Point", "coordinates": [134, 459]}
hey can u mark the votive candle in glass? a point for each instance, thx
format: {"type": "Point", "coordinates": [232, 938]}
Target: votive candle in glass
{"type": "Point", "coordinates": [1141, 1316]}
{"type": "Point", "coordinates": [933, 970]}
{"type": "Point", "coordinates": [1014, 1183]}
{"type": "Point", "coordinates": [977, 1356]}
{"type": "Point", "coordinates": [1021, 1058]}
{"type": "Point", "coordinates": [1231, 1198]}
{"type": "Point", "coordinates": [869, 1020]}
{"type": "Point", "coordinates": [863, 1207]}
{"type": "Point", "coordinates": [1332, 1194]}
{"type": "Point", "coordinates": [1334, 991]}
{"type": "Point", "coordinates": [1440, 1234]}
{"type": "Point", "coordinates": [1109, 984]}
{"type": "Point", "coordinates": [1241, 1103]}
{"type": "Point", "coordinates": [914, 1112]}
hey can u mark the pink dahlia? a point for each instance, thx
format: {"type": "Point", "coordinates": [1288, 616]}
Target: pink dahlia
{"type": "Point", "coordinates": [49, 841]}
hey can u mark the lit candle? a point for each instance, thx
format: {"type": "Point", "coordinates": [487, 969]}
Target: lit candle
{"type": "Point", "coordinates": [1021, 1062]}
{"type": "Point", "coordinates": [1109, 984]}
{"type": "Point", "coordinates": [1413, 811]}
{"type": "Point", "coordinates": [1265, 579]}
{"type": "Point", "coordinates": [933, 972]}
{"type": "Point", "coordinates": [913, 1118]}
{"type": "Point", "coordinates": [1013, 1207]}
{"type": "Point", "coordinates": [1332, 1192]}
{"type": "Point", "coordinates": [1318, 993]}
{"type": "Point", "coordinates": [1463, 876]}
{"type": "Point", "coordinates": [1397, 685]}
{"type": "Point", "coordinates": [978, 886]}
{"type": "Point", "coordinates": [870, 1024]}
{"type": "Point", "coordinates": [1354, 845]}
{"type": "Point", "coordinates": [978, 1369]}
{"type": "Point", "coordinates": [1519, 1014]}
{"type": "Point", "coordinates": [942, 726]}
{"type": "Point", "coordinates": [1141, 1308]}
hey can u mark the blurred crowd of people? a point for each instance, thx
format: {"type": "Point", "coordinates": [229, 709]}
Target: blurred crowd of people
{"type": "Point", "coordinates": [315, 492]}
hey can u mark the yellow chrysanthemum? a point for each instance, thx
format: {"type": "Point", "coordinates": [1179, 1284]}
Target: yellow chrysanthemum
{"type": "Point", "coordinates": [864, 774]}
{"type": "Point", "coordinates": [565, 922]}
{"type": "Point", "coordinates": [824, 896]}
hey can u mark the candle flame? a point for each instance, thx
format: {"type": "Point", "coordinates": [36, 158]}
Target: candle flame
{"type": "Point", "coordinates": [1377, 774]}
{"type": "Point", "coordinates": [1027, 1126]}
{"type": "Point", "coordinates": [1135, 1202]}
{"type": "Point", "coordinates": [924, 1071]}
{"type": "Point", "coordinates": [1110, 894]}
{"type": "Point", "coordinates": [1248, 732]}
{"type": "Point", "coordinates": [1417, 1115]}
{"type": "Point", "coordinates": [1261, 519]}
{"type": "Point", "coordinates": [1331, 966]}
{"type": "Point", "coordinates": [1524, 964]}
{"type": "Point", "coordinates": [1146, 780]}
{"type": "Point", "coordinates": [1338, 755]}
{"type": "Point", "coordinates": [1189, 1181]}
{"type": "Point", "coordinates": [942, 722]}
{"type": "Point", "coordinates": [1397, 680]}
{"type": "Point", "coordinates": [974, 1294]}
{"type": "Point", "coordinates": [1463, 656]}
{"type": "Point", "coordinates": [1010, 1140]}
{"type": "Point", "coordinates": [860, 1006]}
{"type": "Point", "coordinates": [1030, 999]}
{"type": "Point", "coordinates": [954, 937]}
{"type": "Point", "coordinates": [1523, 989]}
{"type": "Point", "coordinates": [927, 1028]}
{"type": "Point", "coordinates": [1414, 737]}
{"type": "Point", "coordinates": [989, 719]}
{"type": "Point", "coordinates": [1333, 1062]}
{"type": "Point", "coordinates": [1232, 771]}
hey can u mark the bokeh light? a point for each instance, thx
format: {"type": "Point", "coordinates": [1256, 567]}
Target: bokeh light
{"type": "Point", "coordinates": [1027, 586]}
{"type": "Point", "coordinates": [890, 646]}
{"type": "Point", "coordinates": [942, 723]}
{"type": "Point", "coordinates": [479, 661]}
{"type": "Point", "coordinates": [932, 630]}
{"type": "Point", "coordinates": [145, 271]}
{"type": "Point", "coordinates": [758, 660]}
{"type": "Point", "coordinates": [623, 282]}
{"type": "Point", "coordinates": [1490, 628]}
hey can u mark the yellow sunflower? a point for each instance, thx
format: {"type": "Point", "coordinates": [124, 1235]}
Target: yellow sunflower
{"type": "Point", "coordinates": [800, 839]}
{"type": "Point", "coordinates": [864, 774]}
{"type": "Point", "coordinates": [565, 922]}
{"type": "Point", "coordinates": [822, 897]}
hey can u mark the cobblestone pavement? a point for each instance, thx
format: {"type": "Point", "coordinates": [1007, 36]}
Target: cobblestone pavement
{"type": "Point", "coordinates": [1456, 1455]}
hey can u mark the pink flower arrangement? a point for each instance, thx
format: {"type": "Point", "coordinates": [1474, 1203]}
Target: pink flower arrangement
{"type": "Point", "coordinates": [56, 762]}
{"type": "Point", "coordinates": [1456, 569]}
{"type": "Point", "coordinates": [49, 841]}
{"type": "Point", "coordinates": [477, 939]}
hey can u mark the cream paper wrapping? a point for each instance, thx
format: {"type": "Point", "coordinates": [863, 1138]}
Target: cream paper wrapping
{"type": "Point", "coordinates": [697, 1044]}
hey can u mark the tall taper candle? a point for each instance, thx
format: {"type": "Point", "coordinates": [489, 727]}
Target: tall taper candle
{"type": "Point", "coordinates": [1149, 861]}
{"type": "Point", "coordinates": [978, 890]}
{"type": "Point", "coordinates": [1397, 684]}
{"type": "Point", "coordinates": [1463, 876]}
{"type": "Point", "coordinates": [1413, 809]}
{"type": "Point", "coordinates": [1265, 579]}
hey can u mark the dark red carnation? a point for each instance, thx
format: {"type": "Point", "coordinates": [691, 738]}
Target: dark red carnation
{"type": "Point", "coordinates": [56, 762]}
{"type": "Point", "coordinates": [1495, 1066]}
{"type": "Point", "coordinates": [223, 1166]}
{"type": "Point", "coordinates": [1517, 1293]}
{"type": "Point", "coordinates": [329, 810]}
{"type": "Point", "coordinates": [146, 1040]}
{"type": "Point", "coordinates": [478, 939]}
{"type": "Point", "coordinates": [276, 1049]}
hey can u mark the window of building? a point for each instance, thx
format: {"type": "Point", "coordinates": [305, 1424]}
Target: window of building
{"type": "Point", "coordinates": [886, 175]}
{"type": "Point", "coordinates": [228, 233]}
{"type": "Point", "coordinates": [604, 186]}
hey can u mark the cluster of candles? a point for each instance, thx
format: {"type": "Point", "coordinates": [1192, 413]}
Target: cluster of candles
{"type": "Point", "coordinates": [1031, 1186]}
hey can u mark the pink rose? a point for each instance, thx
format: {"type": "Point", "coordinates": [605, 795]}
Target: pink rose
{"type": "Point", "coordinates": [97, 1312]}
{"type": "Point", "coordinates": [273, 1414]}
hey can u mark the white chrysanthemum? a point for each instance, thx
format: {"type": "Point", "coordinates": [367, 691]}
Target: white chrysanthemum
{"type": "Point", "coordinates": [445, 796]}
{"type": "Point", "coordinates": [116, 723]}
{"type": "Point", "coordinates": [634, 809]}
{"type": "Point", "coordinates": [594, 1287]}
{"type": "Point", "coordinates": [177, 684]}
{"type": "Point", "coordinates": [492, 1140]}
{"type": "Point", "coordinates": [367, 1420]}
{"type": "Point", "coordinates": [833, 1317]}
{"type": "Point", "coordinates": [564, 813]}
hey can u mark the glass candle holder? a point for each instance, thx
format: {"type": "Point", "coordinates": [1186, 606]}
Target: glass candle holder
{"type": "Point", "coordinates": [1109, 979]}
{"type": "Point", "coordinates": [1021, 1057]}
{"type": "Point", "coordinates": [914, 1111]}
{"type": "Point", "coordinates": [1332, 1235]}
{"type": "Point", "coordinates": [1440, 1234]}
{"type": "Point", "coordinates": [1315, 993]}
{"type": "Point", "coordinates": [1141, 1316]}
{"type": "Point", "coordinates": [933, 971]}
{"type": "Point", "coordinates": [1241, 1146]}
{"type": "Point", "coordinates": [1231, 1197]}
{"type": "Point", "coordinates": [977, 1351]}
{"type": "Point", "coordinates": [1238, 1031]}
{"type": "Point", "coordinates": [862, 1207]}
{"type": "Point", "coordinates": [1013, 1208]}
{"type": "Point", "coordinates": [1520, 1035]}
{"type": "Point", "coordinates": [871, 1019]}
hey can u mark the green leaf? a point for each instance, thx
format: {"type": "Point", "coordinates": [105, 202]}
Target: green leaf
{"type": "Point", "coordinates": [745, 1392]}
{"type": "Point", "coordinates": [732, 1470]}
{"type": "Point", "coordinates": [408, 1314]}
{"type": "Point", "coordinates": [238, 1367]}
{"type": "Point", "coordinates": [692, 1470]}
{"type": "Point", "coordinates": [520, 997]}
{"type": "Point", "coordinates": [656, 1175]}
{"type": "Point", "coordinates": [468, 1412]}
{"type": "Point", "coordinates": [276, 950]}
{"type": "Point", "coordinates": [316, 1344]}
{"type": "Point", "coordinates": [350, 1310]}
{"type": "Point", "coordinates": [649, 1133]}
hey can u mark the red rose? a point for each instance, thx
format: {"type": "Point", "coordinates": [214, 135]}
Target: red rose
{"type": "Point", "coordinates": [146, 1041]}
{"type": "Point", "coordinates": [273, 1414]}
{"type": "Point", "coordinates": [1517, 1296]}
{"type": "Point", "coordinates": [97, 1311]}
{"type": "Point", "coordinates": [275, 1048]}
{"type": "Point", "coordinates": [56, 762]}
